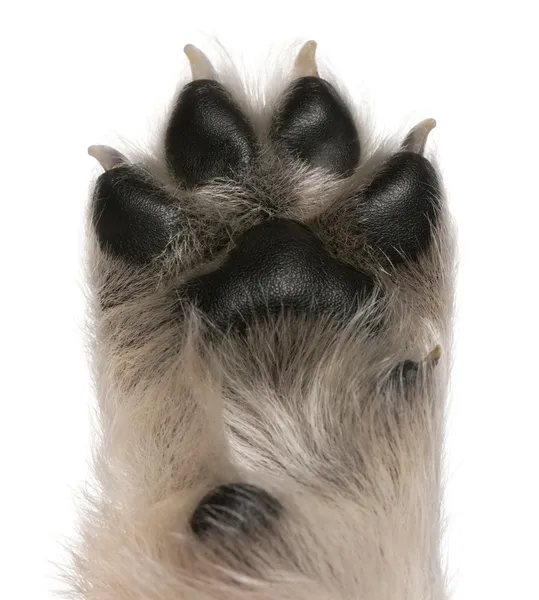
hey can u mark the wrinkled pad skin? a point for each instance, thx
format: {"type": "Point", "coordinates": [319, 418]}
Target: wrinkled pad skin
{"type": "Point", "coordinates": [398, 209]}
{"type": "Point", "coordinates": [208, 136]}
{"type": "Point", "coordinates": [315, 125]}
{"type": "Point", "coordinates": [238, 508]}
{"type": "Point", "coordinates": [133, 217]}
{"type": "Point", "coordinates": [277, 265]}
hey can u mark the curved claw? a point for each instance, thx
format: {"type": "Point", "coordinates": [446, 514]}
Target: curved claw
{"type": "Point", "coordinates": [408, 371]}
{"type": "Point", "coordinates": [433, 356]}
{"type": "Point", "coordinates": [201, 67]}
{"type": "Point", "coordinates": [107, 157]}
{"type": "Point", "coordinates": [417, 138]}
{"type": "Point", "coordinates": [305, 64]}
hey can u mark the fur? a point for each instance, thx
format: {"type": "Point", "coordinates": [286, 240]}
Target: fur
{"type": "Point", "coordinates": [305, 408]}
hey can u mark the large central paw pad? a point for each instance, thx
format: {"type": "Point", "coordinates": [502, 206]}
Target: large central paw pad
{"type": "Point", "coordinates": [278, 265]}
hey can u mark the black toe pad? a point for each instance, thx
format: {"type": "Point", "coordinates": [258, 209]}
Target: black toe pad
{"type": "Point", "coordinates": [315, 125]}
{"type": "Point", "coordinates": [208, 136]}
{"type": "Point", "coordinates": [399, 209]}
{"type": "Point", "coordinates": [278, 265]}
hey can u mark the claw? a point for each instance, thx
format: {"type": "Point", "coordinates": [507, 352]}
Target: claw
{"type": "Point", "coordinates": [108, 157]}
{"type": "Point", "coordinates": [305, 64]}
{"type": "Point", "coordinates": [433, 356]}
{"type": "Point", "coordinates": [201, 67]}
{"type": "Point", "coordinates": [417, 138]}
{"type": "Point", "coordinates": [409, 370]}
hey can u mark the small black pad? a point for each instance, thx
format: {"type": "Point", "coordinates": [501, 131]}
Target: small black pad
{"type": "Point", "coordinates": [208, 136]}
{"type": "Point", "coordinates": [235, 508]}
{"type": "Point", "coordinates": [133, 217]}
{"type": "Point", "coordinates": [279, 264]}
{"type": "Point", "coordinates": [399, 209]}
{"type": "Point", "coordinates": [315, 125]}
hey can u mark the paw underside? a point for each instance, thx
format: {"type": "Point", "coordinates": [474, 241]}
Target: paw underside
{"type": "Point", "coordinates": [278, 261]}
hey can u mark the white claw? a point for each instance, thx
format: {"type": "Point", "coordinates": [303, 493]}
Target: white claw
{"type": "Point", "coordinates": [201, 67]}
{"type": "Point", "coordinates": [108, 157]}
{"type": "Point", "coordinates": [305, 65]}
{"type": "Point", "coordinates": [417, 138]}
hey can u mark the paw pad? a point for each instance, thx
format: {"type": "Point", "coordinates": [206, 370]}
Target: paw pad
{"type": "Point", "coordinates": [281, 263]}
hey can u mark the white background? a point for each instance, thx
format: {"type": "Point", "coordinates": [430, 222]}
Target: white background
{"type": "Point", "coordinates": [78, 73]}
